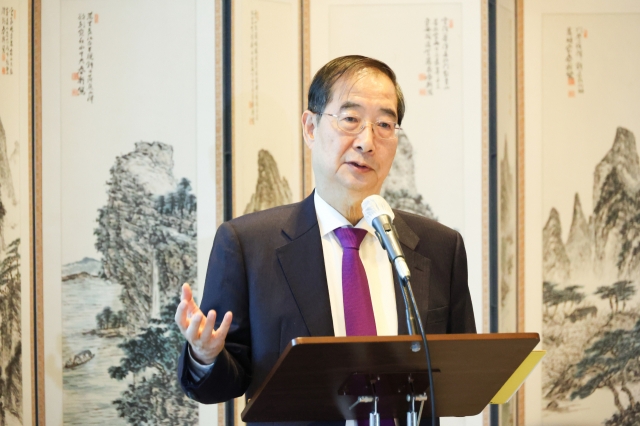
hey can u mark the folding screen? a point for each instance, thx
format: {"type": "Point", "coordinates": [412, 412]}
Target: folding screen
{"type": "Point", "coordinates": [16, 243]}
{"type": "Point", "coordinates": [129, 208]}
{"type": "Point", "coordinates": [507, 173]}
{"type": "Point", "coordinates": [582, 182]}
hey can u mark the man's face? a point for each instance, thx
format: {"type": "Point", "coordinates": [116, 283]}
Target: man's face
{"type": "Point", "coordinates": [351, 165]}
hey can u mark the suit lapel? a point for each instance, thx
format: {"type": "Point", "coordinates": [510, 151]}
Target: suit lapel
{"type": "Point", "coordinates": [302, 262]}
{"type": "Point", "coordinates": [420, 268]}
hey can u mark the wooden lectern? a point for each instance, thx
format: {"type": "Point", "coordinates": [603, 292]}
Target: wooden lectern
{"type": "Point", "coordinates": [319, 378]}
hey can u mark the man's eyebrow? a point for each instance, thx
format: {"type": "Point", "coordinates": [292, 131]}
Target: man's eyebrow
{"type": "Point", "coordinates": [390, 112]}
{"type": "Point", "coordinates": [349, 104]}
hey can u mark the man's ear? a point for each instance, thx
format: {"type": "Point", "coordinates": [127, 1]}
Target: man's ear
{"type": "Point", "coordinates": [309, 126]}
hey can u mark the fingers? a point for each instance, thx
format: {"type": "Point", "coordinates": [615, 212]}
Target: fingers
{"type": "Point", "coordinates": [222, 331]}
{"type": "Point", "coordinates": [186, 309]}
{"type": "Point", "coordinates": [187, 294]}
{"type": "Point", "coordinates": [207, 331]}
{"type": "Point", "coordinates": [205, 341]}
{"type": "Point", "coordinates": [181, 317]}
{"type": "Point", "coordinates": [219, 335]}
{"type": "Point", "coordinates": [192, 333]}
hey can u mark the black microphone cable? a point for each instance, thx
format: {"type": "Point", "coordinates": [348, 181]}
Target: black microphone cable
{"type": "Point", "coordinates": [414, 305]}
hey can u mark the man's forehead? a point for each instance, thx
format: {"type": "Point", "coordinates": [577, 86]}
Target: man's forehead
{"type": "Point", "coordinates": [348, 88]}
{"type": "Point", "coordinates": [347, 83]}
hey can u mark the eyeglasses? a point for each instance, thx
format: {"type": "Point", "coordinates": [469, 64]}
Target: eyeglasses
{"type": "Point", "coordinates": [353, 124]}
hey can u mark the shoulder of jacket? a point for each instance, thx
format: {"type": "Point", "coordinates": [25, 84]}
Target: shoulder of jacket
{"type": "Point", "coordinates": [264, 219]}
{"type": "Point", "coordinates": [420, 224]}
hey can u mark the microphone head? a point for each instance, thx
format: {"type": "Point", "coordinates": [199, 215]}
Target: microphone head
{"type": "Point", "coordinates": [374, 206]}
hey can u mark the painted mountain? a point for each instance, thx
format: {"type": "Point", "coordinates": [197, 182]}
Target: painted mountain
{"type": "Point", "coordinates": [507, 251]}
{"type": "Point", "coordinates": [88, 266]}
{"type": "Point", "coordinates": [271, 189]}
{"type": "Point", "coordinates": [6, 181]}
{"type": "Point", "coordinates": [507, 244]}
{"type": "Point", "coordinates": [591, 315]}
{"type": "Point", "coordinates": [120, 341]}
{"type": "Point", "coordinates": [555, 262]}
{"type": "Point", "coordinates": [399, 189]}
{"type": "Point", "coordinates": [146, 232]}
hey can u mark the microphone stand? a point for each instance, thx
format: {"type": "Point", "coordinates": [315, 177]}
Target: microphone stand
{"type": "Point", "coordinates": [384, 226]}
{"type": "Point", "coordinates": [412, 324]}
{"type": "Point", "coordinates": [413, 318]}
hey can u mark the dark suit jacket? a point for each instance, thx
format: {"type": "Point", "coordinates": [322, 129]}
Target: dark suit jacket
{"type": "Point", "coordinates": [268, 269]}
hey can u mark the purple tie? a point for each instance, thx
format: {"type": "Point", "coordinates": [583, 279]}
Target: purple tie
{"type": "Point", "coordinates": [358, 310]}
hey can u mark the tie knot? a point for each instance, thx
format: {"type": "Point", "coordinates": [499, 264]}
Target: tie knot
{"type": "Point", "coordinates": [350, 237]}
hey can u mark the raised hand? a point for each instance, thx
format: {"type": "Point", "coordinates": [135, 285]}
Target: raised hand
{"type": "Point", "coordinates": [206, 343]}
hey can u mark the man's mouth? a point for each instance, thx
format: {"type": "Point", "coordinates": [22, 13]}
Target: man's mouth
{"type": "Point", "coordinates": [358, 166]}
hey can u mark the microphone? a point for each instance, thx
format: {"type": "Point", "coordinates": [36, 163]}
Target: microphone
{"type": "Point", "coordinates": [379, 215]}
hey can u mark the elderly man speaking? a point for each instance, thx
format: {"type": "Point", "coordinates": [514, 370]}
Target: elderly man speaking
{"type": "Point", "coordinates": [315, 268]}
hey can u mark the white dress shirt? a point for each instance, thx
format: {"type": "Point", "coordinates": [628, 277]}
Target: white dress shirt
{"type": "Point", "coordinates": [376, 265]}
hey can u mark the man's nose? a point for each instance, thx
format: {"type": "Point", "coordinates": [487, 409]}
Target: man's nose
{"type": "Point", "coordinates": [364, 142]}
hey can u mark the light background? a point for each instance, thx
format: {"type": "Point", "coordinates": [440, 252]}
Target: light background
{"type": "Point", "coordinates": [578, 132]}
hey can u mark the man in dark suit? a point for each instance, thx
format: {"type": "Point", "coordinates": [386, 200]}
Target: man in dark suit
{"type": "Point", "coordinates": [277, 273]}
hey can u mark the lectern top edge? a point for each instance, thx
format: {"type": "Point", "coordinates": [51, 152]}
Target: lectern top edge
{"type": "Point", "coordinates": [407, 338]}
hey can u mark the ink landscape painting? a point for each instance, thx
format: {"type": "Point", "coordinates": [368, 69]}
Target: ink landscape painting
{"type": "Point", "coordinates": [129, 231]}
{"type": "Point", "coordinates": [590, 231]}
{"type": "Point", "coordinates": [15, 211]}
{"type": "Point", "coordinates": [11, 287]}
{"type": "Point", "coordinates": [119, 337]}
{"type": "Point", "coordinates": [591, 310]}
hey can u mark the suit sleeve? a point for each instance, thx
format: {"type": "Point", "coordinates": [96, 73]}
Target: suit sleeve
{"type": "Point", "coordinates": [225, 290]}
{"type": "Point", "coordinates": [461, 313]}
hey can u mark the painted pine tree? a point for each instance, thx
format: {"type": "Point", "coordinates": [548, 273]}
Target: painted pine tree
{"type": "Point", "coordinates": [10, 331]}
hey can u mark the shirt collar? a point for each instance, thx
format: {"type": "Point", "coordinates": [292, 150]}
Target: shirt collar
{"type": "Point", "coordinates": [330, 219]}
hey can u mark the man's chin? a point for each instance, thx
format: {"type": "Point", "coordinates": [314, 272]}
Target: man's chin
{"type": "Point", "coordinates": [361, 190]}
